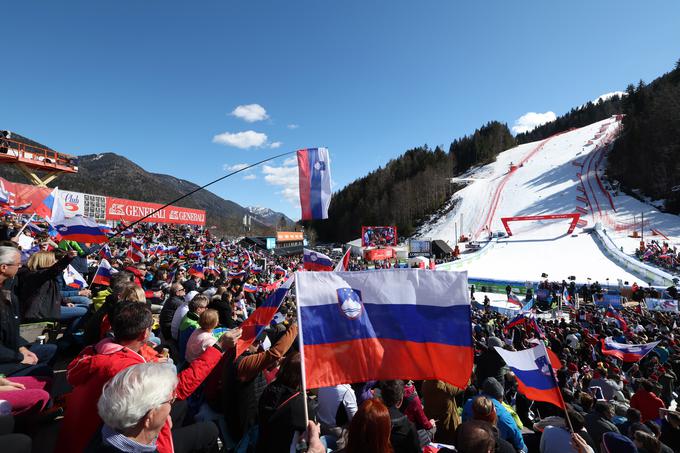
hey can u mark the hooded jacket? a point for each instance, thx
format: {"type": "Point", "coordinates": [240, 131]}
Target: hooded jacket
{"type": "Point", "coordinates": [93, 367]}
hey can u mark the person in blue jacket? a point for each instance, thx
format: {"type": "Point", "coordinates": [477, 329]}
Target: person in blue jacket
{"type": "Point", "coordinates": [507, 428]}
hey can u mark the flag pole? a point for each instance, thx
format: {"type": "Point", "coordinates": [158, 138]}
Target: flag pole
{"type": "Point", "coordinates": [25, 224]}
{"type": "Point", "coordinates": [557, 385]}
{"type": "Point", "coordinates": [302, 350]}
{"type": "Point", "coordinates": [95, 273]}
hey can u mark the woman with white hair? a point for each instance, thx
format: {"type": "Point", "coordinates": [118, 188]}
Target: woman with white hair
{"type": "Point", "coordinates": [134, 405]}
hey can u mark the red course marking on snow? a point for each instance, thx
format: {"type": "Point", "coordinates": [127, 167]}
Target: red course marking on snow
{"type": "Point", "coordinates": [499, 189]}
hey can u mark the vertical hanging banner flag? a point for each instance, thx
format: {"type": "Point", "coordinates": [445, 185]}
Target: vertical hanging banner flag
{"type": "Point", "coordinates": [314, 169]}
{"type": "Point", "coordinates": [392, 324]}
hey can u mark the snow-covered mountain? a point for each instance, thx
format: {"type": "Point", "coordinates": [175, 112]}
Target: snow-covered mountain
{"type": "Point", "coordinates": [269, 216]}
{"type": "Point", "coordinates": [562, 174]}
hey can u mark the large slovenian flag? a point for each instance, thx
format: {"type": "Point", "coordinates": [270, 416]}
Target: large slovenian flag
{"type": "Point", "coordinates": [392, 324]}
{"type": "Point", "coordinates": [314, 169]}
{"type": "Point", "coordinates": [262, 317]}
{"type": "Point", "coordinates": [343, 264]}
{"type": "Point", "coordinates": [626, 352]}
{"type": "Point", "coordinates": [315, 261]}
{"type": "Point", "coordinates": [76, 228]}
{"type": "Point", "coordinates": [104, 273]}
{"type": "Point", "coordinates": [534, 373]}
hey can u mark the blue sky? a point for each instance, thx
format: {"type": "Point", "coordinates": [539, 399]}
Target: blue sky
{"type": "Point", "coordinates": [160, 81]}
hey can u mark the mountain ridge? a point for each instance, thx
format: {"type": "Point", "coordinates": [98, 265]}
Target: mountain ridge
{"type": "Point", "coordinates": [113, 175]}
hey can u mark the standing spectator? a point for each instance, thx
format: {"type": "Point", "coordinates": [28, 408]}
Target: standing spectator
{"type": "Point", "coordinates": [441, 406]}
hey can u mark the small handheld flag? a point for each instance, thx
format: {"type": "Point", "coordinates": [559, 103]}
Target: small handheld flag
{"type": "Point", "coordinates": [73, 278]}
{"type": "Point", "coordinates": [316, 261]}
{"type": "Point", "coordinates": [261, 317]}
{"type": "Point", "coordinates": [627, 352]}
{"type": "Point", "coordinates": [534, 374]}
{"type": "Point", "coordinates": [513, 299]}
{"type": "Point", "coordinates": [343, 264]}
{"type": "Point", "coordinates": [104, 273]}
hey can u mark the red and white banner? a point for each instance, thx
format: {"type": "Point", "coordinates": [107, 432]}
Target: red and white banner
{"type": "Point", "coordinates": [130, 210]}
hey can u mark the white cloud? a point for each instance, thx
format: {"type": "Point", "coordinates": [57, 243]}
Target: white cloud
{"type": "Point", "coordinates": [531, 120]}
{"type": "Point", "coordinates": [275, 145]}
{"type": "Point", "coordinates": [293, 126]}
{"type": "Point", "coordinates": [249, 176]}
{"type": "Point", "coordinates": [243, 140]}
{"type": "Point", "coordinates": [286, 178]}
{"type": "Point", "coordinates": [235, 167]}
{"type": "Point", "coordinates": [250, 112]}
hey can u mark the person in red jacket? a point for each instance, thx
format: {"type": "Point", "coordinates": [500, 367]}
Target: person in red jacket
{"type": "Point", "coordinates": [646, 401]}
{"type": "Point", "coordinates": [96, 364]}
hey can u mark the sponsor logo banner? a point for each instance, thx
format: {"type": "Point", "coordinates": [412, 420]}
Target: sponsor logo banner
{"type": "Point", "coordinates": [130, 210]}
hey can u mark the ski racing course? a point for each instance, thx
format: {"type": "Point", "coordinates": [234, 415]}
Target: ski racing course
{"type": "Point", "coordinates": [562, 174]}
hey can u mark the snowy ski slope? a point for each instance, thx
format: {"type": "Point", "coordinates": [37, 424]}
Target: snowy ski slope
{"type": "Point", "coordinates": [562, 174]}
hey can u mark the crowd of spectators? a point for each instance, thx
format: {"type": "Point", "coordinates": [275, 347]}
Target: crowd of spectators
{"type": "Point", "coordinates": [151, 364]}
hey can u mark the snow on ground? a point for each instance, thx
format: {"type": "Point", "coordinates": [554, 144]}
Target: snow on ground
{"type": "Point", "coordinates": [554, 172]}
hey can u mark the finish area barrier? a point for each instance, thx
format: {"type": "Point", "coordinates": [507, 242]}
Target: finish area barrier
{"type": "Point", "coordinates": [574, 220]}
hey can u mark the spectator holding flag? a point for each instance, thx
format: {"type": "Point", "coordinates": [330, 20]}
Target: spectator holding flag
{"type": "Point", "coordinates": [39, 289]}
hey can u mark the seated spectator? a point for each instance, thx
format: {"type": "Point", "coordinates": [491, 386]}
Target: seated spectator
{"type": "Point", "coordinates": [197, 306]}
{"type": "Point", "coordinates": [202, 338]}
{"type": "Point", "coordinates": [13, 442]}
{"type": "Point", "coordinates": [17, 356]}
{"type": "Point", "coordinates": [96, 364]}
{"type": "Point", "coordinates": [176, 299]}
{"type": "Point", "coordinates": [98, 325]}
{"type": "Point", "coordinates": [617, 443]}
{"type": "Point", "coordinates": [370, 429]}
{"type": "Point", "coordinates": [404, 436]}
{"type": "Point", "coordinates": [27, 395]}
{"type": "Point", "coordinates": [475, 436]}
{"type": "Point", "coordinates": [281, 408]}
{"type": "Point", "coordinates": [646, 401]}
{"type": "Point", "coordinates": [484, 410]}
{"type": "Point", "coordinates": [135, 407]}
{"type": "Point", "coordinates": [337, 406]}
{"type": "Point", "coordinates": [670, 430]}
{"type": "Point", "coordinates": [181, 311]}
{"type": "Point", "coordinates": [441, 406]}
{"type": "Point", "coordinates": [244, 381]}
{"type": "Point", "coordinates": [507, 427]}
{"type": "Point", "coordinates": [598, 422]}
{"type": "Point", "coordinates": [557, 438]}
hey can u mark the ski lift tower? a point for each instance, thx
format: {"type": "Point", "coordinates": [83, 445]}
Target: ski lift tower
{"type": "Point", "coordinates": [31, 157]}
